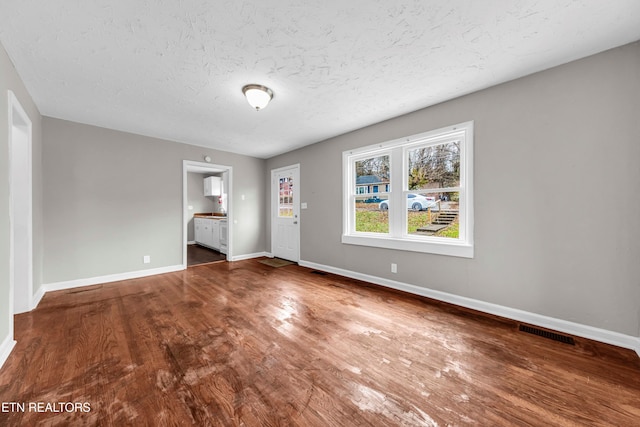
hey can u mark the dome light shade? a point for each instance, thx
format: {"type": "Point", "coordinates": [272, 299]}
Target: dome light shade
{"type": "Point", "coordinates": [258, 96]}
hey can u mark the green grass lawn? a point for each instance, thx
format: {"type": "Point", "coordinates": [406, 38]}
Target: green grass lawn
{"type": "Point", "coordinates": [372, 221]}
{"type": "Point", "coordinates": [377, 221]}
{"type": "Point", "coordinates": [417, 220]}
{"type": "Point", "coordinates": [451, 231]}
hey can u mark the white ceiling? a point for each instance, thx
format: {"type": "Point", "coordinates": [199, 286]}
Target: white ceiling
{"type": "Point", "coordinates": [174, 69]}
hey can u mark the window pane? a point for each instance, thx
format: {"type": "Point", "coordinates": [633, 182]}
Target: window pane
{"type": "Point", "coordinates": [285, 197]}
{"type": "Point", "coordinates": [372, 175]}
{"type": "Point", "coordinates": [436, 166]}
{"type": "Point", "coordinates": [433, 214]}
{"type": "Point", "coordinates": [372, 213]}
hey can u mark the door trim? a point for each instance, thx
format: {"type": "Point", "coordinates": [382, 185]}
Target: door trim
{"type": "Point", "coordinates": [18, 118]}
{"type": "Point", "coordinates": [192, 166]}
{"type": "Point", "coordinates": [274, 207]}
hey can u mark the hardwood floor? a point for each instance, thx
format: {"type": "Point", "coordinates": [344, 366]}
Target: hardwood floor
{"type": "Point", "coordinates": [197, 255]}
{"type": "Point", "coordinates": [245, 344]}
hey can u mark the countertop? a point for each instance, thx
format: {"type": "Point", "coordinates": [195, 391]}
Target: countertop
{"type": "Point", "coordinates": [211, 215]}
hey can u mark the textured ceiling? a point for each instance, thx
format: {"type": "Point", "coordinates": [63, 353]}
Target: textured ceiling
{"type": "Point", "coordinates": [174, 69]}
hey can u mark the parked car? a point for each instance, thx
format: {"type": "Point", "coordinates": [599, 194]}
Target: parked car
{"type": "Point", "coordinates": [374, 199]}
{"type": "Point", "coordinates": [415, 202]}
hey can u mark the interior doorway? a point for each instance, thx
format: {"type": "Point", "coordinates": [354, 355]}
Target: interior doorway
{"type": "Point", "coordinates": [226, 175]}
{"type": "Point", "coordinates": [20, 209]}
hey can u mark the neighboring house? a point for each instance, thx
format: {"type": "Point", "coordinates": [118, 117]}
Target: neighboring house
{"type": "Point", "coordinates": [367, 184]}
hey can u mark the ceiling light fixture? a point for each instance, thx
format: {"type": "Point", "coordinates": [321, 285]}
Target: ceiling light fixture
{"type": "Point", "coordinates": [258, 96]}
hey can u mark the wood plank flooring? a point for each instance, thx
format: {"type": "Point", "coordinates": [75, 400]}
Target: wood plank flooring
{"type": "Point", "coordinates": [245, 344]}
{"type": "Point", "coordinates": [197, 255]}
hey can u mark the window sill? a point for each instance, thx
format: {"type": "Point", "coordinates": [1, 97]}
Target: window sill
{"type": "Point", "coordinates": [457, 249]}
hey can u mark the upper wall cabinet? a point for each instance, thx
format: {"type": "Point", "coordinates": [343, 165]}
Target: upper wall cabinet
{"type": "Point", "coordinates": [213, 186]}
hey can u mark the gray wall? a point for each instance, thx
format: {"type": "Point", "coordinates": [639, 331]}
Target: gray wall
{"type": "Point", "coordinates": [112, 197]}
{"type": "Point", "coordinates": [557, 176]}
{"type": "Point", "coordinates": [197, 200]}
{"type": "Point", "coordinates": [9, 80]}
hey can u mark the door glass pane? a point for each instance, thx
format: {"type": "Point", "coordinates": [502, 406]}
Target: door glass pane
{"type": "Point", "coordinates": [433, 214]}
{"type": "Point", "coordinates": [285, 197]}
{"type": "Point", "coordinates": [372, 213]}
{"type": "Point", "coordinates": [372, 175]}
{"type": "Point", "coordinates": [435, 166]}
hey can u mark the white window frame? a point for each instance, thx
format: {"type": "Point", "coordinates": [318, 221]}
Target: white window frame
{"type": "Point", "coordinates": [398, 238]}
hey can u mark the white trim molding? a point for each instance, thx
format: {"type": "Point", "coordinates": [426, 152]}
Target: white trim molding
{"type": "Point", "coordinates": [70, 284]}
{"type": "Point", "coordinates": [398, 156]}
{"type": "Point", "coordinates": [5, 348]}
{"type": "Point", "coordinates": [577, 329]}
{"type": "Point", "coordinates": [20, 123]}
{"type": "Point", "coordinates": [58, 286]}
{"type": "Point", "coordinates": [251, 256]}
{"type": "Point", "coordinates": [38, 297]}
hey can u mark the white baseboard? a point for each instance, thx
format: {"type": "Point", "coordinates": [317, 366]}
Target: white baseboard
{"type": "Point", "coordinates": [249, 256]}
{"type": "Point", "coordinates": [577, 329]}
{"type": "Point", "coordinates": [191, 242]}
{"type": "Point", "coordinates": [37, 297]}
{"type": "Point", "coordinates": [58, 286]}
{"type": "Point", "coordinates": [5, 348]}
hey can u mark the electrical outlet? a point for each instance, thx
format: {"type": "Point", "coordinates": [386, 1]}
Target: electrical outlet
{"type": "Point", "coordinates": [394, 267]}
{"type": "Point", "coordinates": [146, 259]}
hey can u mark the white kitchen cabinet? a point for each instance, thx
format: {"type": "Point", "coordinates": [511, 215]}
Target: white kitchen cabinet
{"type": "Point", "coordinates": [223, 235]}
{"type": "Point", "coordinates": [203, 233]}
{"type": "Point", "coordinates": [215, 234]}
{"type": "Point", "coordinates": [213, 186]}
{"type": "Point", "coordinates": [207, 232]}
{"type": "Point", "coordinates": [198, 228]}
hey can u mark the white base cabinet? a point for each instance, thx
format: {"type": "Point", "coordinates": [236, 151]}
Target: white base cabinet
{"type": "Point", "coordinates": [223, 236]}
{"type": "Point", "coordinates": [215, 234]}
{"type": "Point", "coordinates": [207, 232]}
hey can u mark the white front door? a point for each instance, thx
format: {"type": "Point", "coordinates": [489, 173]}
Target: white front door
{"type": "Point", "coordinates": [285, 221]}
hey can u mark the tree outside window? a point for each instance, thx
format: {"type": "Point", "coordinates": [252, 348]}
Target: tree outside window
{"type": "Point", "coordinates": [413, 193]}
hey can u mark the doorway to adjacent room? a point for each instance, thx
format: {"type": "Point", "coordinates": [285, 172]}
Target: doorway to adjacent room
{"type": "Point", "coordinates": [193, 254]}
